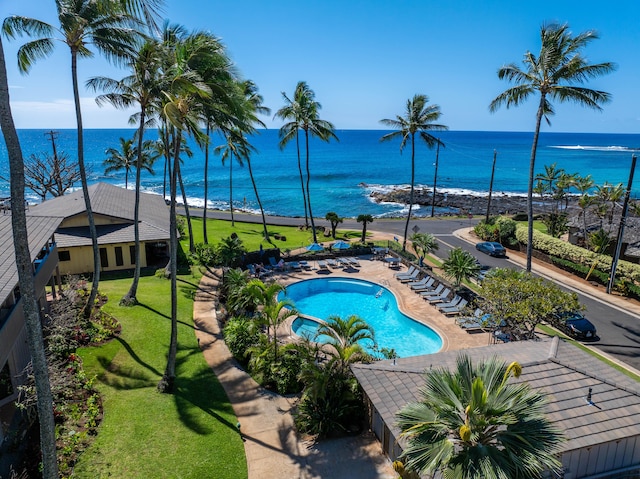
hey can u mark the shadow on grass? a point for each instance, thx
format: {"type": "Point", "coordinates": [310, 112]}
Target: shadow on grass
{"type": "Point", "coordinates": [201, 392]}
{"type": "Point", "coordinates": [123, 376]}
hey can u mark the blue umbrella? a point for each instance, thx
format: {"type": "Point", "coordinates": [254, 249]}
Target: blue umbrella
{"type": "Point", "coordinates": [341, 245]}
{"type": "Point", "coordinates": [315, 247]}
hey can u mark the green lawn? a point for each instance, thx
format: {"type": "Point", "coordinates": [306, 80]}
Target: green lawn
{"type": "Point", "coordinates": [252, 234]}
{"type": "Point", "coordinates": [144, 434]}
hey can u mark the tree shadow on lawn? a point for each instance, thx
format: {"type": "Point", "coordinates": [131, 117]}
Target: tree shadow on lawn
{"type": "Point", "coordinates": [165, 316]}
{"type": "Point", "coordinates": [201, 392]}
{"type": "Point", "coordinates": [198, 391]}
{"type": "Point", "coordinates": [123, 376]}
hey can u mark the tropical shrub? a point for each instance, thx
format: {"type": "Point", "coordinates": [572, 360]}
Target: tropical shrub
{"type": "Point", "coordinates": [474, 422]}
{"type": "Point", "coordinates": [204, 254]}
{"type": "Point", "coordinates": [241, 334]}
{"type": "Point", "coordinates": [562, 249]}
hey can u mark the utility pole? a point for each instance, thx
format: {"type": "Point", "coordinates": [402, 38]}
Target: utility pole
{"type": "Point", "coordinates": [435, 178]}
{"type": "Point", "coordinates": [493, 170]}
{"type": "Point", "coordinates": [623, 220]}
{"type": "Point", "coordinates": [56, 164]}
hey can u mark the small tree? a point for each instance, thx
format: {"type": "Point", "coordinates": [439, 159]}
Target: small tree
{"type": "Point", "coordinates": [423, 244]}
{"type": "Point", "coordinates": [335, 220]}
{"type": "Point", "coordinates": [460, 265]}
{"type": "Point", "coordinates": [364, 219]}
{"type": "Point", "coordinates": [522, 300]}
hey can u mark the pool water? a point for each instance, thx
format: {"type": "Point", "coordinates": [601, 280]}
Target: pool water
{"type": "Point", "coordinates": [324, 297]}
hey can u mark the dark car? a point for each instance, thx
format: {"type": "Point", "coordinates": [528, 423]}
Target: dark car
{"type": "Point", "coordinates": [491, 248]}
{"type": "Point", "coordinates": [577, 326]}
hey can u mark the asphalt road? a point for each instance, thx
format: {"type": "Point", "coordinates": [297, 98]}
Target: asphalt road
{"type": "Point", "coordinates": [618, 329]}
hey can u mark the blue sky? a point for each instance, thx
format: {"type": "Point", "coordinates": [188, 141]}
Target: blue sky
{"type": "Point", "coordinates": [364, 59]}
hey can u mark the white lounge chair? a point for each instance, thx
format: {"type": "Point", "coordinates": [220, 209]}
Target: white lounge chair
{"type": "Point", "coordinates": [438, 299]}
{"type": "Point", "coordinates": [406, 273]}
{"type": "Point", "coordinates": [457, 309]}
{"type": "Point", "coordinates": [428, 286]}
{"type": "Point", "coordinates": [435, 292]}
{"type": "Point", "coordinates": [409, 279]}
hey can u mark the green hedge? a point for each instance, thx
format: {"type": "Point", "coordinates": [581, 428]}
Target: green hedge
{"type": "Point", "coordinates": [564, 250]}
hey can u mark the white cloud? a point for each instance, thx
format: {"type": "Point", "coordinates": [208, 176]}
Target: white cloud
{"type": "Point", "coordinates": [60, 114]}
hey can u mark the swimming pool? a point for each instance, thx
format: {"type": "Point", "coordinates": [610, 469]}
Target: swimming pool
{"type": "Point", "coordinates": [324, 297]}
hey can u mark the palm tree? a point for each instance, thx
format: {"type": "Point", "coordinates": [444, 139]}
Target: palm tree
{"type": "Point", "coordinates": [557, 73]}
{"type": "Point", "coordinates": [364, 219]}
{"type": "Point", "coordinates": [419, 119]}
{"type": "Point", "coordinates": [293, 111]}
{"type": "Point", "coordinates": [460, 265]}
{"type": "Point", "coordinates": [333, 218]}
{"type": "Point", "coordinates": [125, 159]}
{"type": "Point", "coordinates": [252, 105]}
{"type": "Point", "coordinates": [345, 336]}
{"type": "Point", "coordinates": [584, 184]}
{"type": "Point", "coordinates": [273, 311]}
{"type": "Point", "coordinates": [181, 113]}
{"type": "Point", "coordinates": [216, 69]}
{"type": "Point", "coordinates": [141, 88]}
{"type": "Point", "coordinates": [308, 120]}
{"type": "Point", "coordinates": [423, 244]}
{"type": "Point", "coordinates": [26, 280]}
{"type": "Point", "coordinates": [113, 32]}
{"type": "Point", "coordinates": [234, 146]}
{"type": "Point", "coordinates": [473, 422]}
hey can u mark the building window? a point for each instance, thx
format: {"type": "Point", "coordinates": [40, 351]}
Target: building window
{"type": "Point", "coordinates": [119, 258]}
{"type": "Point", "coordinates": [132, 253]}
{"type": "Point", "coordinates": [104, 260]}
{"type": "Point", "coordinates": [6, 388]}
{"type": "Point", "coordinates": [64, 255]}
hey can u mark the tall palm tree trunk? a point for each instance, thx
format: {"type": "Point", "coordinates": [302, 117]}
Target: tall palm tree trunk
{"type": "Point", "coordinates": [532, 167]}
{"type": "Point", "coordinates": [26, 281]}
{"type": "Point", "coordinates": [85, 191]}
{"type": "Point", "coordinates": [413, 176]}
{"type": "Point", "coordinates": [233, 223]}
{"type": "Point", "coordinates": [313, 224]}
{"type": "Point", "coordinates": [131, 296]}
{"type": "Point", "coordinates": [166, 384]}
{"type": "Point", "coordinates": [304, 194]}
{"type": "Point", "coordinates": [255, 189]}
{"type": "Point", "coordinates": [177, 170]}
{"type": "Point", "coordinates": [206, 186]}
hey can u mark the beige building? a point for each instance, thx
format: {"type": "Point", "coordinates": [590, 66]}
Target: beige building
{"type": "Point", "coordinates": [113, 210]}
{"type": "Point", "coordinates": [14, 350]}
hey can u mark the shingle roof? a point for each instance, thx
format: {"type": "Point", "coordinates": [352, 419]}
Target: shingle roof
{"type": "Point", "coordinates": [111, 201]}
{"type": "Point", "coordinates": [39, 231]}
{"type": "Point", "coordinates": [559, 369]}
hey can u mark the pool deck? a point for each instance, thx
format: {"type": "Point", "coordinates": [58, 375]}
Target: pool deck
{"type": "Point", "coordinates": [272, 447]}
{"type": "Point", "coordinates": [410, 303]}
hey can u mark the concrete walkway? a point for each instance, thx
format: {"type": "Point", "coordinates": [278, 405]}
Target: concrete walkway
{"type": "Point", "coordinates": [271, 445]}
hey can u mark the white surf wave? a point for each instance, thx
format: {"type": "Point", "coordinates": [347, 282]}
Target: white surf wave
{"type": "Point", "coordinates": [612, 148]}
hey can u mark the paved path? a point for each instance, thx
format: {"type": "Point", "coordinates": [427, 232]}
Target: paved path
{"type": "Point", "coordinates": [272, 448]}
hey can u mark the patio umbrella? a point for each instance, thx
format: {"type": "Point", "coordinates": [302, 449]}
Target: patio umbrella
{"type": "Point", "coordinates": [315, 247]}
{"type": "Point", "coordinates": [341, 245]}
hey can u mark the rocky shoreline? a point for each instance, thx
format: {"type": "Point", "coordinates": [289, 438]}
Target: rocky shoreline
{"type": "Point", "coordinates": [501, 204]}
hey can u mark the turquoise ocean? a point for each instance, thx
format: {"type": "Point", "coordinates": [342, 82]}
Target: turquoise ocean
{"type": "Point", "coordinates": [344, 173]}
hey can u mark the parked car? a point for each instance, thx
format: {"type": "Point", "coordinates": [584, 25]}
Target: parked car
{"type": "Point", "coordinates": [576, 326]}
{"type": "Point", "coordinates": [491, 248]}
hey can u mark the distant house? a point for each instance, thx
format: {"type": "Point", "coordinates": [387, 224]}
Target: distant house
{"type": "Point", "coordinates": [630, 249]}
{"type": "Point", "coordinates": [14, 351]}
{"type": "Point", "coordinates": [602, 435]}
{"type": "Point", "coordinates": [113, 210]}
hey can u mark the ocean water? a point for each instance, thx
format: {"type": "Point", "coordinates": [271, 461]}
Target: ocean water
{"type": "Point", "coordinates": [344, 173]}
